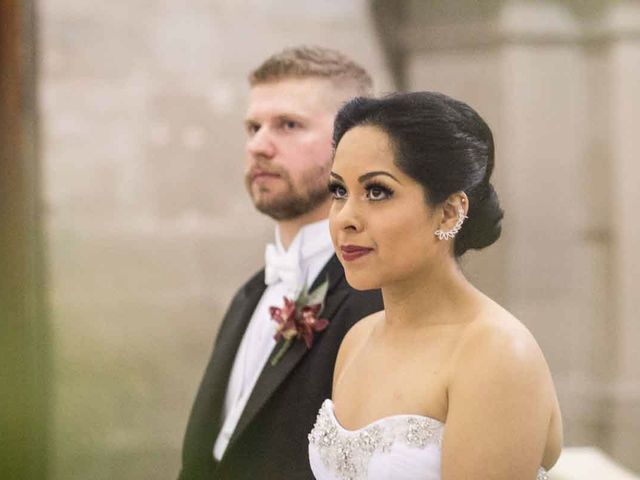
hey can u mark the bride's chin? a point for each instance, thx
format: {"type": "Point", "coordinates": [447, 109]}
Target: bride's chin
{"type": "Point", "coordinates": [361, 281]}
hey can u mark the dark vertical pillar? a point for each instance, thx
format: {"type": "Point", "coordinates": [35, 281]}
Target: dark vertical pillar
{"type": "Point", "coordinates": [24, 351]}
{"type": "Point", "coordinates": [389, 18]}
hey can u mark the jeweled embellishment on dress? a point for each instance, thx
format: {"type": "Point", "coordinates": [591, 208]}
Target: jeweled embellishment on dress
{"type": "Point", "coordinates": [419, 432]}
{"type": "Point", "coordinates": [347, 453]}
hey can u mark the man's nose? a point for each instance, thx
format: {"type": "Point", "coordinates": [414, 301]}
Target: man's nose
{"type": "Point", "coordinates": [260, 144]}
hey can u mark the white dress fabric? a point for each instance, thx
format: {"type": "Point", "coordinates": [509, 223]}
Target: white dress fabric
{"type": "Point", "coordinates": [399, 447]}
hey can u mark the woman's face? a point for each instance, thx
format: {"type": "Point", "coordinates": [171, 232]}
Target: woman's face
{"type": "Point", "coordinates": [381, 227]}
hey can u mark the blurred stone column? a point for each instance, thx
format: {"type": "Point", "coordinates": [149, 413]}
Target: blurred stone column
{"type": "Point", "coordinates": [552, 262]}
{"type": "Point", "coordinates": [24, 369]}
{"type": "Point", "coordinates": [521, 65]}
{"type": "Point", "coordinates": [558, 83]}
{"type": "Point", "coordinates": [624, 62]}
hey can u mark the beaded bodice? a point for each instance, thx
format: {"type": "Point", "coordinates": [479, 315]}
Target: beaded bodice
{"type": "Point", "coordinates": [403, 447]}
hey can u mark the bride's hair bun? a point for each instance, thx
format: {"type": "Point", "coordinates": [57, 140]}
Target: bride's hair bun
{"type": "Point", "coordinates": [484, 225]}
{"type": "Point", "coordinates": [444, 145]}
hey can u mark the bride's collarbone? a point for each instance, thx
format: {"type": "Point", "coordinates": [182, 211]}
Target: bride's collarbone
{"type": "Point", "coordinates": [378, 390]}
{"type": "Point", "coordinates": [416, 362]}
{"type": "Point", "coordinates": [357, 411]}
{"type": "Point", "coordinates": [396, 375]}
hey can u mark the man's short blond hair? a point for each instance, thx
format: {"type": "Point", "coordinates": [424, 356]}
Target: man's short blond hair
{"type": "Point", "coordinates": [314, 62]}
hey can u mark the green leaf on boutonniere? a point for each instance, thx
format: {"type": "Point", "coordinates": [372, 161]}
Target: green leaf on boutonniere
{"type": "Point", "coordinates": [319, 294]}
{"type": "Point", "coordinates": [281, 351]}
{"type": "Point", "coordinates": [303, 296]}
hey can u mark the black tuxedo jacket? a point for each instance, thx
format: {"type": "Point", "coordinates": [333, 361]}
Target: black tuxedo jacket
{"type": "Point", "coordinates": [270, 440]}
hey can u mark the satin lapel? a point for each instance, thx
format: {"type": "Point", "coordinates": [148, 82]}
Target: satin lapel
{"type": "Point", "coordinates": [273, 375]}
{"type": "Point", "coordinates": [229, 341]}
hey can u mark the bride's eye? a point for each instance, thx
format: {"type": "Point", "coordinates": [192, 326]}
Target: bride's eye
{"type": "Point", "coordinates": [337, 190]}
{"type": "Point", "coordinates": [377, 192]}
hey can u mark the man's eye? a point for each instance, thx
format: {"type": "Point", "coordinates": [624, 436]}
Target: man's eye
{"type": "Point", "coordinates": [290, 125]}
{"type": "Point", "coordinates": [252, 128]}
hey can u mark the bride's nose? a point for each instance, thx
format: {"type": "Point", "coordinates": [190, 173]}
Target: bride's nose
{"type": "Point", "coordinates": [347, 215]}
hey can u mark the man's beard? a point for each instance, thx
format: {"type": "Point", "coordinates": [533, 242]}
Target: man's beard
{"type": "Point", "coordinates": [290, 203]}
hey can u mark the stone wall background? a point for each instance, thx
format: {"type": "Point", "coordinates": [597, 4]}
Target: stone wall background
{"type": "Point", "coordinates": [150, 230]}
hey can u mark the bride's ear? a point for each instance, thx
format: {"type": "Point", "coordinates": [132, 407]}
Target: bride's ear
{"type": "Point", "coordinates": [454, 208]}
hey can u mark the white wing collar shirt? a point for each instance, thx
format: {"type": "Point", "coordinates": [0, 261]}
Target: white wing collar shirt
{"type": "Point", "coordinates": [286, 271]}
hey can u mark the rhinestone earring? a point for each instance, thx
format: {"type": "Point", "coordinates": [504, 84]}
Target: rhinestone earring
{"type": "Point", "coordinates": [450, 234]}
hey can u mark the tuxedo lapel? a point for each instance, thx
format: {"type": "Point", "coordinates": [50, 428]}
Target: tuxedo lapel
{"type": "Point", "coordinates": [273, 375]}
{"type": "Point", "coordinates": [230, 339]}
{"type": "Point", "coordinates": [227, 346]}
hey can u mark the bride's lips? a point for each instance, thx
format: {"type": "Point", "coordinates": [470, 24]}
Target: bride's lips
{"type": "Point", "coordinates": [352, 252]}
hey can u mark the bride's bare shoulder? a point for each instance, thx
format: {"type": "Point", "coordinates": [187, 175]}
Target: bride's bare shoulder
{"type": "Point", "coordinates": [496, 331]}
{"type": "Point", "coordinates": [500, 375]}
{"type": "Point", "coordinates": [498, 347]}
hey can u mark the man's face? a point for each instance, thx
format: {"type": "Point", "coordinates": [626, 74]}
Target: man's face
{"type": "Point", "coordinates": [289, 126]}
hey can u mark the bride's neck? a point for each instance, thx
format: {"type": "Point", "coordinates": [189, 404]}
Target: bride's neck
{"type": "Point", "coordinates": [431, 297]}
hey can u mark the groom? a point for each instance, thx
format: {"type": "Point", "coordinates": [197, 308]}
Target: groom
{"type": "Point", "coordinates": [253, 411]}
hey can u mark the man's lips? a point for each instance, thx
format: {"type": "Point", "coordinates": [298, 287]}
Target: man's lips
{"type": "Point", "coordinates": [262, 175]}
{"type": "Point", "coordinates": [352, 252]}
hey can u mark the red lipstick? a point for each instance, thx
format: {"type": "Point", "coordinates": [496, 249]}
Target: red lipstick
{"type": "Point", "coordinates": [352, 252]}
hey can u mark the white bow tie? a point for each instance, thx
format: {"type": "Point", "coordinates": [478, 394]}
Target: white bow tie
{"type": "Point", "coordinates": [282, 266]}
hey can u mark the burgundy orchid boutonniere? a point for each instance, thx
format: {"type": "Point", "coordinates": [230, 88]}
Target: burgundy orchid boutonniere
{"type": "Point", "coordinates": [298, 319]}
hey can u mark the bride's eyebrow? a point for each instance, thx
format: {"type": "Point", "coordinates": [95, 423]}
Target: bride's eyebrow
{"type": "Point", "coordinates": [367, 176]}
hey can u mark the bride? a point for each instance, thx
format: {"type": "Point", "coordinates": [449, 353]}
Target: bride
{"type": "Point", "coordinates": [444, 383]}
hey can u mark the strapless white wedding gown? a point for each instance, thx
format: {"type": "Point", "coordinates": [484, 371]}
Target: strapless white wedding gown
{"type": "Point", "coordinates": [400, 447]}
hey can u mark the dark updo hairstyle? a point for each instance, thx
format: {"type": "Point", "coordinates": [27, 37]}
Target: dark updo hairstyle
{"type": "Point", "coordinates": [444, 145]}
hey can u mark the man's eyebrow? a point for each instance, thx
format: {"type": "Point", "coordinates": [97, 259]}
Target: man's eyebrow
{"type": "Point", "coordinates": [279, 118]}
{"type": "Point", "coordinates": [286, 117]}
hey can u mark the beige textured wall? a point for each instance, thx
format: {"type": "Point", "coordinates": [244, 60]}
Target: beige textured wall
{"type": "Point", "coordinates": [149, 227]}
